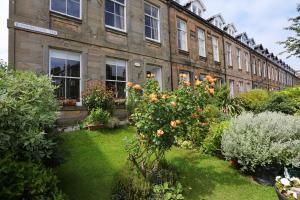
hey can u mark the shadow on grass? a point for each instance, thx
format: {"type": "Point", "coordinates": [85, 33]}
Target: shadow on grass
{"type": "Point", "coordinates": [92, 161]}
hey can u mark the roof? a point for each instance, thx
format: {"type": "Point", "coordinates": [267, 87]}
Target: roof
{"type": "Point", "coordinates": [230, 25]}
{"type": "Point", "coordinates": [216, 16]}
{"type": "Point", "coordinates": [241, 34]}
{"type": "Point", "coordinates": [199, 1]}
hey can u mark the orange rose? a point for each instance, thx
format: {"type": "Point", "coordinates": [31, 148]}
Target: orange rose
{"type": "Point", "coordinates": [173, 103]}
{"type": "Point", "coordinates": [211, 91]}
{"type": "Point", "coordinates": [160, 133]}
{"type": "Point", "coordinates": [199, 109]}
{"type": "Point", "coordinates": [208, 78]}
{"type": "Point", "coordinates": [129, 84]}
{"type": "Point", "coordinates": [137, 87]}
{"type": "Point", "coordinates": [187, 83]}
{"type": "Point", "coordinates": [194, 115]}
{"type": "Point", "coordinates": [173, 124]}
{"type": "Point", "coordinates": [178, 121]}
{"type": "Point", "coordinates": [197, 83]}
{"type": "Point", "coordinates": [164, 96]}
{"type": "Point", "coordinates": [204, 124]}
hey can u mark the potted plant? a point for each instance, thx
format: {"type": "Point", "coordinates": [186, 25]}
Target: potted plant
{"type": "Point", "coordinates": [97, 119]}
{"type": "Point", "coordinates": [287, 188]}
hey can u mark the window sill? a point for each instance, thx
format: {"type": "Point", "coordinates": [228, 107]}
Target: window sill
{"type": "Point", "coordinates": [154, 42]}
{"type": "Point", "coordinates": [217, 62]}
{"type": "Point", "coordinates": [65, 17]}
{"type": "Point", "coordinates": [203, 58]}
{"type": "Point", "coordinates": [183, 52]}
{"type": "Point", "coordinates": [116, 31]}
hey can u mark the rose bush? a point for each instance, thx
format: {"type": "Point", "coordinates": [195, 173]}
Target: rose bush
{"type": "Point", "coordinates": [160, 117]}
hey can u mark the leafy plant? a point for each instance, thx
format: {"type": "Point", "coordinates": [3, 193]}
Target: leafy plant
{"type": "Point", "coordinates": [212, 143]}
{"type": "Point", "coordinates": [281, 103]}
{"type": "Point", "coordinates": [254, 100]}
{"type": "Point", "coordinates": [97, 116]}
{"type": "Point", "coordinates": [25, 180]}
{"type": "Point", "coordinates": [27, 108]}
{"type": "Point", "coordinates": [97, 96]}
{"type": "Point", "coordinates": [167, 192]}
{"type": "Point", "coordinates": [262, 140]}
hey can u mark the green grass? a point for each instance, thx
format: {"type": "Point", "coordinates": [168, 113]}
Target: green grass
{"type": "Point", "coordinates": [93, 160]}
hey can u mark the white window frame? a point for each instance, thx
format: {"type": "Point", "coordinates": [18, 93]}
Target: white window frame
{"type": "Point", "coordinates": [158, 21]}
{"type": "Point", "coordinates": [239, 58]}
{"type": "Point", "coordinates": [125, 16]}
{"type": "Point", "coordinates": [160, 80]}
{"type": "Point", "coordinates": [254, 67]}
{"type": "Point", "coordinates": [201, 43]}
{"type": "Point", "coordinates": [229, 54]}
{"type": "Point", "coordinates": [259, 68]}
{"type": "Point", "coordinates": [80, 14]}
{"type": "Point", "coordinates": [182, 31]}
{"type": "Point", "coordinates": [231, 88]}
{"type": "Point", "coordinates": [216, 52]}
{"type": "Point", "coordinates": [247, 62]}
{"type": "Point", "coordinates": [67, 77]}
{"type": "Point", "coordinates": [115, 60]}
{"type": "Point", "coordinates": [264, 68]}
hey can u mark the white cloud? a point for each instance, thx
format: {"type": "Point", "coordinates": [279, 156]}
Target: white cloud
{"type": "Point", "coordinates": [263, 20]}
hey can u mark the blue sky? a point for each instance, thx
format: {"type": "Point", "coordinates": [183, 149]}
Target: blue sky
{"type": "Point", "coordinates": [263, 20]}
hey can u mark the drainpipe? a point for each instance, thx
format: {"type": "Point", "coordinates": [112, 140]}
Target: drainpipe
{"type": "Point", "coordinates": [170, 42]}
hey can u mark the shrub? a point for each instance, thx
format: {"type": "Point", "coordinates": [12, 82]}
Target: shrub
{"type": "Point", "coordinates": [97, 96]}
{"type": "Point", "coordinates": [167, 192]}
{"type": "Point", "coordinates": [27, 108]}
{"type": "Point", "coordinates": [113, 122]}
{"type": "Point", "coordinates": [97, 116]}
{"type": "Point", "coordinates": [212, 143]}
{"type": "Point", "coordinates": [25, 180]}
{"type": "Point", "coordinates": [254, 100]}
{"type": "Point", "coordinates": [262, 140]}
{"type": "Point", "coordinates": [279, 102]}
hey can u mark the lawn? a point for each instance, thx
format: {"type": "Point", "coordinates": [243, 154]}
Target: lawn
{"type": "Point", "coordinates": [93, 159]}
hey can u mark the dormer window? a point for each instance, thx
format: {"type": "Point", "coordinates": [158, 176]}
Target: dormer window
{"type": "Point", "coordinates": [197, 7]}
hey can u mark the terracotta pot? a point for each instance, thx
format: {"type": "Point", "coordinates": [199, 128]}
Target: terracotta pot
{"type": "Point", "coordinates": [69, 102]}
{"type": "Point", "coordinates": [234, 163]}
{"type": "Point", "coordinates": [93, 127]}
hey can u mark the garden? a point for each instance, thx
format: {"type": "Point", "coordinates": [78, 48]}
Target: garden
{"type": "Point", "coordinates": [191, 143]}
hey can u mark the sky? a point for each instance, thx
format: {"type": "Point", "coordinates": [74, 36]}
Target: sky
{"type": "Point", "coordinates": [264, 20]}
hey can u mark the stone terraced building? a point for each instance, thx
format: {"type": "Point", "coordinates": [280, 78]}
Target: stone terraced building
{"type": "Point", "coordinates": [116, 41]}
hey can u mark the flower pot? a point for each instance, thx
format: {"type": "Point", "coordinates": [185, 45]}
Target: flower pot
{"type": "Point", "coordinates": [93, 127]}
{"type": "Point", "coordinates": [234, 163]}
{"type": "Point", "coordinates": [280, 196]}
{"type": "Point", "coordinates": [69, 102]}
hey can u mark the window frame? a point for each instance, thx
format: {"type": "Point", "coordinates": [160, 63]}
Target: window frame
{"type": "Point", "coordinates": [203, 42]}
{"type": "Point", "coordinates": [116, 81]}
{"type": "Point", "coordinates": [184, 31]}
{"type": "Point", "coordinates": [54, 11]}
{"type": "Point", "coordinates": [158, 22]}
{"type": "Point", "coordinates": [259, 68]}
{"type": "Point", "coordinates": [228, 49]}
{"type": "Point", "coordinates": [216, 52]}
{"type": "Point", "coordinates": [65, 76]}
{"type": "Point", "coordinates": [247, 61]}
{"type": "Point", "coordinates": [125, 16]}
{"type": "Point", "coordinates": [239, 58]}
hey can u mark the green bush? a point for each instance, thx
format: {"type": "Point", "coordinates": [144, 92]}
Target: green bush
{"type": "Point", "coordinates": [25, 180]}
{"type": "Point", "coordinates": [27, 108]}
{"type": "Point", "coordinates": [263, 140]}
{"type": "Point", "coordinates": [212, 143]}
{"type": "Point", "coordinates": [97, 96]}
{"type": "Point", "coordinates": [167, 192]}
{"type": "Point", "coordinates": [97, 116]}
{"type": "Point", "coordinates": [254, 100]}
{"type": "Point", "coordinates": [280, 102]}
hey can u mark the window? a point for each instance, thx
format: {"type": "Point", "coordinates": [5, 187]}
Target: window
{"type": "Point", "coordinates": [70, 8]}
{"type": "Point", "coordinates": [152, 24]}
{"type": "Point", "coordinates": [254, 67]}
{"type": "Point", "coordinates": [115, 16]}
{"type": "Point", "coordinates": [182, 34]}
{"type": "Point", "coordinates": [241, 86]}
{"type": "Point", "coordinates": [238, 57]}
{"type": "Point", "coordinates": [215, 44]}
{"type": "Point", "coordinates": [272, 74]}
{"type": "Point", "coordinates": [154, 72]}
{"type": "Point", "coordinates": [231, 87]}
{"type": "Point", "coordinates": [201, 43]}
{"type": "Point", "coordinates": [265, 70]}
{"type": "Point", "coordinates": [269, 72]}
{"type": "Point", "coordinates": [116, 77]}
{"type": "Point", "coordinates": [184, 76]}
{"type": "Point", "coordinates": [228, 54]}
{"type": "Point", "coordinates": [259, 68]}
{"type": "Point", "coordinates": [247, 61]}
{"type": "Point", "coordinates": [65, 72]}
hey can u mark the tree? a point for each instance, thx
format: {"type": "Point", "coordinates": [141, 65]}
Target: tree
{"type": "Point", "coordinates": [292, 44]}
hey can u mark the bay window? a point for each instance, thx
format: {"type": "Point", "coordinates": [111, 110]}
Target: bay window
{"type": "Point", "coordinates": [152, 23]}
{"type": "Point", "coordinates": [182, 35]}
{"type": "Point", "coordinates": [116, 77]}
{"type": "Point", "coordinates": [65, 72]}
{"type": "Point", "coordinates": [70, 8]}
{"type": "Point", "coordinates": [115, 14]}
